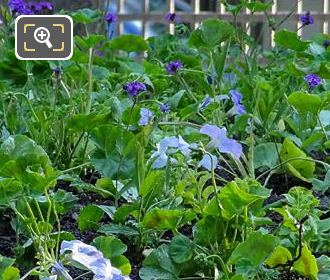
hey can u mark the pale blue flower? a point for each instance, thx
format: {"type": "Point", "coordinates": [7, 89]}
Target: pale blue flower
{"type": "Point", "coordinates": [220, 140]}
{"type": "Point", "coordinates": [208, 161]}
{"type": "Point", "coordinates": [146, 117]}
{"type": "Point", "coordinates": [166, 147]}
{"type": "Point", "coordinates": [92, 259]}
{"type": "Point", "coordinates": [236, 97]}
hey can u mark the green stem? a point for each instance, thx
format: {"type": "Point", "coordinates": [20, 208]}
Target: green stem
{"type": "Point", "coordinates": [90, 82]}
{"type": "Point", "coordinates": [29, 104]}
{"type": "Point", "coordinates": [222, 263]}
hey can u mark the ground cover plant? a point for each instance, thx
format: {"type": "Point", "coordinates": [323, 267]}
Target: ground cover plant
{"type": "Point", "coordinates": [198, 155]}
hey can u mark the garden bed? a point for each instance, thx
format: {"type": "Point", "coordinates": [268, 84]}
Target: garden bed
{"type": "Point", "coordinates": [176, 157]}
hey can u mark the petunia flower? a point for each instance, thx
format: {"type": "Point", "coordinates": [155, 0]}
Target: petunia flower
{"type": "Point", "coordinates": [313, 80]}
{"type": "Point", "coordinates": [92, 259]}
{"type": "Point", "coordinates": [166, 147]}
{"type": "Point", "coordinates": [146, 117]}
{"type": "Point", "coordinates": [220, 140]}
{"type": "Point", "coordinates": [236, 97]}
{"type": "Point", "coordinates": [307, 19]}
{"type": "Point", "coordinates": [208, 161]}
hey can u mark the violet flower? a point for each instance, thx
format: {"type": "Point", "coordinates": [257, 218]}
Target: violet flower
{"type": "Point", "coordinates": [165, 108]}
{"type": "Point", "coordinates": [171, 17]}
{"type": "Point", "coordinates": [209, 162]}
{"type": "Point", "coordinates": [220, 140]}
{"type": "Point", "coordinates": [111, 17]}
{"type": "Point", "coordinates": [313, 80]}
{"type": "Point", "coordinates": [20, 7]}
{"type": "Point", "coordinates": [134, 88]}
{"type": "Point", "coordinates": [326, 43]}
{"type": "Point", "coordinates": [236, 97]}
{"type": "Point", "coordinates": [173, 67]}
{"type": "Point", "coordinates": [307, 19]}
{"type": "Point", "coordinates": [146, 117]}
{"type": "Point", "coordinates": [166, 147]}
{"type": "Point", "coordinates": [92, 259]}
{"type": "Point", "coordinates": [45, 6]}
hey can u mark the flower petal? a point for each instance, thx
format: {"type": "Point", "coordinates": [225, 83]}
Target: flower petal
{"type": "Point", "coordinates": [230, 146]}
{"type": "Point", "coordinates": [207, 163]}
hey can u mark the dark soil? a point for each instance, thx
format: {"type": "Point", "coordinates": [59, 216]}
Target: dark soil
{"type": "Point", "coordinates": [290, 276]}
{"type": "Point", "coordinates": [7, 236]}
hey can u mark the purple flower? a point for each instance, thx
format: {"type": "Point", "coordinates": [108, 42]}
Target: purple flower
{"type": "Point", "coordinates": [19, 7]}
{"type": "Point", "coordinates": [146, 117]}
{"type": "Point", "coordinates": [111, 17]}
{"type": "Point", "coordinates": [171, 17]}
{"type": "Point", "coordinates": [57, 73]}
{"type": "Point", "coordinates": [208, 161]}
{"type": "Point", "coordinates": [134, 88]}
{"type": "Point", "coordinates": [307, 19]}
{"type": "Point", "coordinates": [220, 140]}
{"type": "Point", "coordinates": [45, 5]}
{"type": "Point", "coordinates": [173, 67]}
{"type": "Point", "coordinates": [205, 103]}
{"type": "Point", "coordinates": [165, 108]}
{"type": "Point", "coordinates": [92, 259]}
{"type": "Point", "coordinates": [313, 80]}
{"type": "Point", "coordinates": [166, 147]}
{"type": "Point", "coordinates": [236, 97]}
{"type": "Point", "coordinates": [326, 43]}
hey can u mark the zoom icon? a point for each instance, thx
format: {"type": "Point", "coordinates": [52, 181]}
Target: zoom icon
{"type": "Point", "coordinates": [44, 37]}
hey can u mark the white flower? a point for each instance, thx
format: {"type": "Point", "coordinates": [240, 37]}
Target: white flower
{"type": "Point", "coordinates": [92, 259]}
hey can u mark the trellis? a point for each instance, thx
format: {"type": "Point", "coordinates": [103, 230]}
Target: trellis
{"type": "Point", "coordinates": [320, 10]}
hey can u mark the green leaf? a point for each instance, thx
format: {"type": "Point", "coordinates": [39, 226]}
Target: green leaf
{"type": "Point", "coordinates": [122, 263]}
{"type": "Point", "coordinates": [266, 155]}
{"type": "Point", "coordinates": [211, 33]}
{"type": "Point", "coordinates": [115, 154]}
{"type": "Point", "coordinates": [249, 255]}
{"type": "Point", "coordinates": [110, 246]}
{"type": "Point", "coordinates": [323, 264]}
{"type": "Point", "coordinates": [305, 102]}
{"type": "Point", "coordinates": [322, 186]}
{"type": "Point", "coordinates": [5, 263]}
{"type": "Point", "coordinates": [159, 265]}
{"type": "Point", "coordinates": [118, 230]}
{"type": "Point", "coordinates": [86, 16]}
{"type": "Point", "coordinates": [162, 219]}
{"type": "Point", "coordinates": [234, 198]}
{"type": "Point", "coordinates": [181, 249]}
{"type": "Point", "coordinates": [26, 162]}
{"type": "Point", "coordinates": [86, 123]}
{"type": "Point", "coordinates": [301, 201]}
{"type": "Point", "coordinates": [89, 217]}
{"type": "Point", "coordinates": [306, 265]}
{"type": "Point", "coordinates": [258, 6]}
{"type": "Point", "coordinates": [129, 43]}
{"type": "Point", "coordinates": [209, 230]}
{"type": "Point", "coordinates": [152, 183]}
{"type": "Point", "coordinates": [302, 168]}
{"type": "Point", "coordinates": [90, 41]}
{"type": "Point", "coordinates": [290, 40]}
{"type": "Point", "coordinates": [281, 255]}
{"type": "Point", "coordinates": [10, 273]}
{"type": "Point", "coordinates": [64, 201]}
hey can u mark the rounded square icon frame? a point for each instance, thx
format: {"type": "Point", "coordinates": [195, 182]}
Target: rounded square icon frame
{"type": "Point", "coordinates": [44, 16]}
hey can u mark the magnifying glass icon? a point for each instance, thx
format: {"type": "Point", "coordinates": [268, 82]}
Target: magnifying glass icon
{"type": "Point", "coordinates": [42, 35]}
